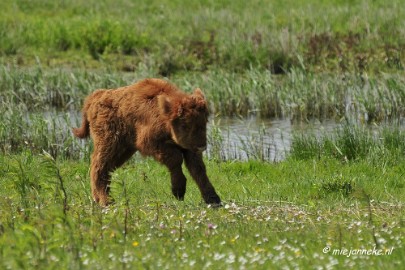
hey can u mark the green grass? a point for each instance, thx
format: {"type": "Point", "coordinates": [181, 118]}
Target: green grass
{"type": "Point", "coordinates": [172, 37]}
{"type": "Point", "coordinates": [262, 224]}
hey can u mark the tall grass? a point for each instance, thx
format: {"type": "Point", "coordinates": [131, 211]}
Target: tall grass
{"type": "Point", "coordinates": [48, 131]}
{"type": "Point", "coordinates": [352, 142]}
{"type": "Point", "coordinates": [298, 95]}
{"type": "Point", "coordinates": [38, 89]}
{"type": "Point", "coordinates": [303, 95]}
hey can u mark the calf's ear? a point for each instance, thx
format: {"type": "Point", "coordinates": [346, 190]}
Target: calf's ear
{"type": "Point", "coordinates": [199, 93]}
{"type": "Point", "coordinates": [165, 105]}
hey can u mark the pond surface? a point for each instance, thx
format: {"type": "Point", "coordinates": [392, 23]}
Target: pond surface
{"type": "Point", "coordinates": [266, 139]}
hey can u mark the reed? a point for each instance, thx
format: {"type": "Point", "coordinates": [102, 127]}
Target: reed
{"type": "Point", "coordinates": [298, 95]}
{"type": "Point", "coordinates": [49, 132]}
{"type": "Point", "coordinates": [352, 142]}
{"type": "Point", "coordinates": [301, 95]}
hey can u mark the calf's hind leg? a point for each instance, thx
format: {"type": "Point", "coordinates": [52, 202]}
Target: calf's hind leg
{"type": "Point", "coordinates": [104, 161]}
{"type": "Point", "coordinates": [99, 176]}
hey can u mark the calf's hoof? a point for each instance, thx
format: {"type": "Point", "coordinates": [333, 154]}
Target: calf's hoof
{"type": "Point", "coordinates": [179, 194]}
{"type": "Point", "coordinates": [213, 200]}
{"type": "Point", "coordinates": [103, 201]}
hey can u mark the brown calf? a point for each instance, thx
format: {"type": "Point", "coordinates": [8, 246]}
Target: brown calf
{"type": "Point", "coordinates": [155, 118]}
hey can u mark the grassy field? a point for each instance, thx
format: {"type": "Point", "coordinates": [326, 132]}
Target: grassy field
{"type": "Point", "coordinates": [169, 37]}
{"type": "Point", "coordinates": [283, 215]}
{"type": "Point", "coordinates": [335, 202]}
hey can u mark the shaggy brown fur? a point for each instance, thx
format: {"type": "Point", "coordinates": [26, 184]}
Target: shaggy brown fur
{"type": "Point", "coordinates": [155, 118]}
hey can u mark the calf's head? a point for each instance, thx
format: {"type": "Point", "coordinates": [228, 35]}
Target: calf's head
{"type": "Point", "coordinates": [188, 119]}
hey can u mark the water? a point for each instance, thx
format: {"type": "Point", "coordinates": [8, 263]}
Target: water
{"type": "Point", "coordinates": [264, 139]}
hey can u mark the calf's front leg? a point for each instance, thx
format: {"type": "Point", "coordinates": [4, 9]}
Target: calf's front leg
{"type": "Point", "coordinates": [196, 167]}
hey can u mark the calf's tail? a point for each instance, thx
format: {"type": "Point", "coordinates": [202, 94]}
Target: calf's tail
{"type": "Point", "coordinates": [84, 130]}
